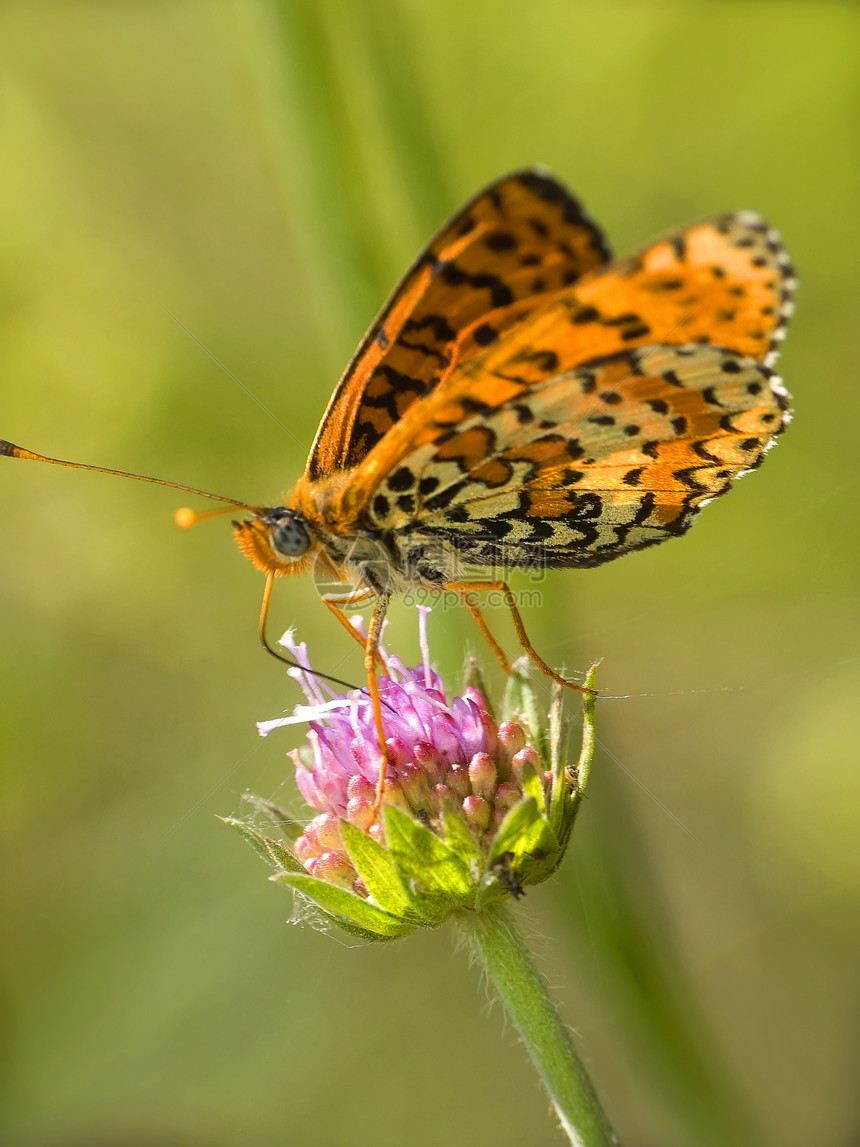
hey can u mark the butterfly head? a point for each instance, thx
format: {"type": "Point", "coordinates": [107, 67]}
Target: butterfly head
{"type": "Point", "coordinates": [276, 540]}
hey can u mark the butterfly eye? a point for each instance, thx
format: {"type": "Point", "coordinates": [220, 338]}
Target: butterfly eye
{"type": "Point", "coordinates": [288, 536]}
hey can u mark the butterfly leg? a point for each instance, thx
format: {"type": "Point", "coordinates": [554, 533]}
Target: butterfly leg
{"type": "Point", "coordinates": [372, 657]}
{"type": "Point", "coordinates": [464, 588]}
{"type": "Point", "coordinates": [473, 608]}
{"type": "Point", "coordinates": [334, 601]}
{"type": "Point", "coordinates": [371, 653]}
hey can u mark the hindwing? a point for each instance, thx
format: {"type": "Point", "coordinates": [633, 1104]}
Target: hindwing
{"type": "Point", "coordinates": [615, 455]}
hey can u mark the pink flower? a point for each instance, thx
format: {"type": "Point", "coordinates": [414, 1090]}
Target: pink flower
{"type": "Point", "coordinates": [472, 809]}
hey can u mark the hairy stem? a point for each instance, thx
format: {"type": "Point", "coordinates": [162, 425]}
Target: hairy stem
{"type": "Point", "coordinates": [497, 941]}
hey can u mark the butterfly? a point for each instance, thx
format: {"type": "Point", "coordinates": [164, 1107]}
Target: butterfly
{"type": "Point", "coordinates": [522, 400]}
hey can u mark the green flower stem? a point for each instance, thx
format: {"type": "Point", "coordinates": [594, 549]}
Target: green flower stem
{"type": "Point", "coordinates": [498, 942]}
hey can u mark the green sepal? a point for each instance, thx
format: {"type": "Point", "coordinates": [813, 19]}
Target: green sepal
{"type": "Point", "coordinates": [533, 846]}
{"type": "Point", "coordinates": [571, 782]}
{"type": "Point", "coordinates": [376, 867]}
{"type": "Point", "coordinates": [541, 860]}
{"type": "Point", "coordinates": [349, 911]}
{"type": "Point", "coordinates": [270, 850]}
{"type": "Point", "coordinates": [489, 892]}
{"type": "Point", "coordinates": [586, 754]}
{"type": "Point", "coordinates": [533, 786]}
{"type": "Point", "coordinates": [460, 837]}
{"type": "Point", "coordinates": [292, 829]}
{"type": "Point", "coordinates": [558, 795]}
{"type": "Point", "coordinates": [281, 857]}
{"type": "Point", "coordinates": [534, 716]}
{"type": "Point", "coordinates": [518, 820]}
{"type": "Point", "coordinates": [438, 880]}
{"type": "Point", "coordinates": [568, 781]}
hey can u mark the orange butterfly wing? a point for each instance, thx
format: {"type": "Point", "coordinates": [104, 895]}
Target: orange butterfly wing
{"type": "Point", "coordinates": [727, 282]}
{"type": "Point", "coordinates": [586, 418]}
{"type": "Point", "coordinates": [613, 456]}
{"type": "Point", "coordinates": [676, 291]}
{"type": "Point", "coordinates": [520, 239]}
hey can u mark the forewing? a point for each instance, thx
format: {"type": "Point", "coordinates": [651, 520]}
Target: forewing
{"type": "Point", "coordinates": [521, 239]}
{"type": "Point", "coordinates": [580, 469]}
{"type": "Point", "coordinates": [725, 282]}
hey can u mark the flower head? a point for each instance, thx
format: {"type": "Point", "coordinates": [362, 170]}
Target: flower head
{"type": "Point", "coordinates": [473, 809]}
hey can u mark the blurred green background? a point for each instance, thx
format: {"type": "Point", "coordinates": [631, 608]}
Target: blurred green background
{"type": "Point", "coordinates": [263, 172]}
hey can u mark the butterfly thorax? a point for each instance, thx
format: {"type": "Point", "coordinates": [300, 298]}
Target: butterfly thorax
{"type": "Point", "coordinates": [351, 546]}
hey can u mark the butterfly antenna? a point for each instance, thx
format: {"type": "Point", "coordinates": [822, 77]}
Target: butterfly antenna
{"type": "Point", "coordinates": [185, 518]}
{"type": "Point", "coordinates": [10, 450]}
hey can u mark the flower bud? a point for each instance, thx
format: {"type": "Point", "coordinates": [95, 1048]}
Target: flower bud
{"type": "Point", "coordinates": [507, 795]}
{"type": "Point", "coordinates": [441, 797]}
{"type": "Point", "coordinates": [511, 739]}
{"type": "Point", "coordinates": [416, 786]}
{"type": "Point", "coordinates": [457, 780]}
{"type": "Point", "coordinates": [393, 795]}
{"type": "Point", "coordinates": [305, 850]}
{"type": "Point", "coordinates": [360, 812]}
{"type": "Point", "coordinates": [482, 774]}
{"type": "Point", "coordinates": [398, 752]}
{"type": "Point", "coordinates": [430, 760]}
{"type": "Point", "coordinates": [526, 757]}
{"type": "Point", "coordinates": [325, 831]}
{"type": "Point", "coordinates": [361, 786]}
{"type": "Point", "coordinates": [476, 812]}
{"type": "Point", "coordinates": [336, 869]}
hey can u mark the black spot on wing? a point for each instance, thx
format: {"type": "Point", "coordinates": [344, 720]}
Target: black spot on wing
{"type": "Point", "coordinates": [438, 324]}
{"type": "Point", "coordinates": [381, 505]}
{"type": "Point", "coordinates": [484, 335]}
{"type": "Point", "coordinates": [543, 360]}
{"type": "Point", "coordinates": [500, 241]}
{"type": "Point", "coordinates": [585, 315]}
{"type": "Point", "coordinates": [427, 351]}
{"type": "Point", "coordinates": [402, 479]}
{"type": "Point", "coordinates": [454, 275]}
{"type": "Point", "coordinates": [679, 246]}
